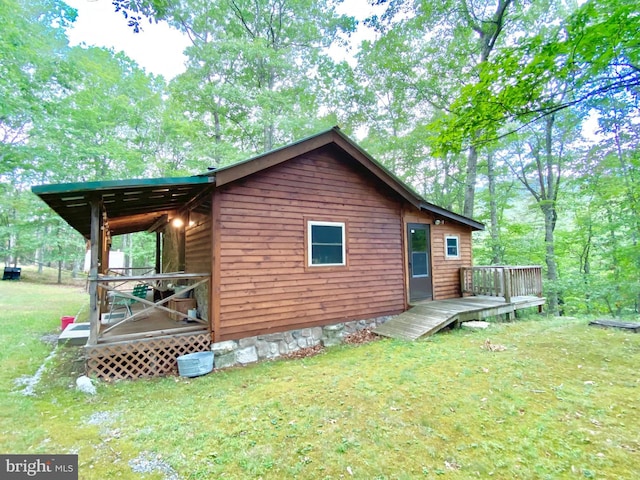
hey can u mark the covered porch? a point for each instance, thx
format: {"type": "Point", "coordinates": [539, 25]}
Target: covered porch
{"type": "Point", "coordinates": [168, 304]}
{"type": "Point", "coordinates": [140, 319]}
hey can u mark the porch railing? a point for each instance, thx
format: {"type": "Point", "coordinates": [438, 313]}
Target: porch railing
{"type": "Point", "coordinates": [118, 283]}
{"type": "Point", "coordinates": [502, 281]}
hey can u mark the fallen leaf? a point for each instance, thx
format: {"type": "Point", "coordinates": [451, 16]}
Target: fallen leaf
{"type": "Point", "coordinates": [493, 348]}
{"type": "Point", "coordinates": [452, 465]}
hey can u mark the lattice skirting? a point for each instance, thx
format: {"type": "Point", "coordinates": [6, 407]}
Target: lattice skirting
{"type": "Point", "coordinates": [149, 357]}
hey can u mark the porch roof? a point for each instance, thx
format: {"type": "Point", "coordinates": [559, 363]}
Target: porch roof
{"type": "Point", "coordinates": [131, 205]}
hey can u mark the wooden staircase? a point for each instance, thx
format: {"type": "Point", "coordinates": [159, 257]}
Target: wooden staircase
{"type": "Point", "coordinates": [429, 317]}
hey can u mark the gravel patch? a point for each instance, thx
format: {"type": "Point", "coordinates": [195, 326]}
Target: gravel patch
{"type": "Point", "coordinates": [147, 462]}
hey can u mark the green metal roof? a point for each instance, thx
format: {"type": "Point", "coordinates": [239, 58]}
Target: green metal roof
{"type": "Point", "coordinates": [117, 184]}
{"type": "Point", "coordinates": [132, 205]}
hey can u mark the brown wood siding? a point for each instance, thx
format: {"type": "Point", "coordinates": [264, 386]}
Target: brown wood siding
{"type": "Point", "coordinates": [446, 271]}
{"type": "Point", "coordinates": [198, 245]}
{"type": "Point", "coordinates": [265, 285]}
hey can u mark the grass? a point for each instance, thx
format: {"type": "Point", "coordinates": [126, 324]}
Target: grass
{"type": "Point", "coordinates": [49, 275]}
{"type": "Point", "coordinates": [560, 402]}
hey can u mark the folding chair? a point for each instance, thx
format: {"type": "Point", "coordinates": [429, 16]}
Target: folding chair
{"type": "Point", "coordinates": [119, 301]}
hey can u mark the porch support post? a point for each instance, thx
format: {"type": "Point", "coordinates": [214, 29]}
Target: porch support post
{"type": "Point", "coordinates": [158, 240]}
{"type": "Point", "coordinates": [214, 290]}
{"type": "Point", "coordinates": [94, 313]}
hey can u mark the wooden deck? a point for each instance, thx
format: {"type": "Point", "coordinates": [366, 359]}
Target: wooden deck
{"type": "Point", "coordinates": [632, 326]}
{"type": "Point", "coordinates": [427, 318]}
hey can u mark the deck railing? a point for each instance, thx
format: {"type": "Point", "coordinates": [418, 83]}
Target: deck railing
{"type": "Point", "coordinates": [502, 281]}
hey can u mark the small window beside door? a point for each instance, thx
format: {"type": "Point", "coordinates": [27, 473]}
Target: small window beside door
{"type": "Point", "coordinates": [326, 244]}
{"type": "Point", "coordinates": [452, 246]}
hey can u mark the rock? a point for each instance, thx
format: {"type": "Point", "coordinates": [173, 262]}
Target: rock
{"type": "Point", "coordinates": [222, 348]}
{"type": "Point", "coordinates": [271, 337]}
{"type": "Point", "coordinates": [338, 327]}
{"type": "Point", "coordinates": [247, 355]}
{"type": "Point", "coordinates": [225, 360]}
{"type": "Point", "coordinates": [476, 325]}
{"type": "Point", "coordinates": [283, 348]}
{"type": "Point", "coordinates": [247, 342]}
{"type": "Point", "coordinates": [316, 333]}
{"type": "Point", "coordinates": [263, 349]}
{"type": "Point", "coordinates": [350, 327]}
{"type": "Point", "coordinates": [85, 385]}
{"type": "Point", "coordinates": [331, 341]}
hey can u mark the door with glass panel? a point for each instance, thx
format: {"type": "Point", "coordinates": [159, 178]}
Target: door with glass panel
{"type": "Point", "coordinates": [419, 257]}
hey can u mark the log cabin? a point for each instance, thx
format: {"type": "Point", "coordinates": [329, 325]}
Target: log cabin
{"type": "Point", "coordinates": [313, 234]}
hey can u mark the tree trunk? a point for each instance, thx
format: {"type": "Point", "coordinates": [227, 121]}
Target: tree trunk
{"type": "Point", "coordinates": [585, 266]}
{"type": "Point", "coordinates": [470, 182]}
{"type": "Point", "coordinates": [550, 258]}
{"type": "Point", "coordinates": [39, 258]}
{"type": "Point", "coordinates": [496, 251]}
{"type": "Point", "coordinates": [548, 206]}
{"type": "Point", "coordinates": [488, 30]}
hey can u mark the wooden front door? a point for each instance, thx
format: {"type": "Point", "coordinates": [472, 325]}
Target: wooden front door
{"type": "Point", "coordinates": [419, 256]}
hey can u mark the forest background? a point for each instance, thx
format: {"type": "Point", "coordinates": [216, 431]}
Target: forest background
{"type": "Point", "coordinates": [480, 105]}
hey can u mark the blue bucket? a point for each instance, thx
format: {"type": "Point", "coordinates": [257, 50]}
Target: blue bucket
{"type": "Point", "coordinates": [195, 364]}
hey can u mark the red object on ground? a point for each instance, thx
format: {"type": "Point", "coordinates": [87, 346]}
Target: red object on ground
{"type": "Point", "coordinates": [64, 321]}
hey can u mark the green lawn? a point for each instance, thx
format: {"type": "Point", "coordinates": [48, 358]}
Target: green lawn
{"type": "Point", "coordinates": [561, 401]}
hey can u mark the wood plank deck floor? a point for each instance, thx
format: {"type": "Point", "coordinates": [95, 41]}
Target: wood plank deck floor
{"type": "Point", "coordinates": [426, 318]}
{"type": "Point", "coordinates": [155, 323]}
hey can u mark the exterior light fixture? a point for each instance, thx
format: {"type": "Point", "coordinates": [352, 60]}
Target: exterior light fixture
{"type": "Point", "coordinates": [177, 222]}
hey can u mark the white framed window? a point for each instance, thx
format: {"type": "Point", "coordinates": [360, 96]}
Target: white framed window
{"type": "Point", "coordinates": [326, 244]}
{"type": "Point", "coordinates": [452, 246]}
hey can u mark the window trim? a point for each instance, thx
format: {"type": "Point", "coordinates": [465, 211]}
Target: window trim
{"type": "Point", "coordinates": [446, 247]}
{"type": "Point", "coordinates": [309, 246]}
